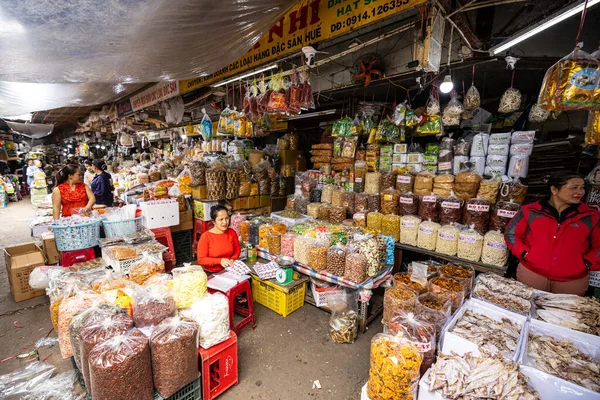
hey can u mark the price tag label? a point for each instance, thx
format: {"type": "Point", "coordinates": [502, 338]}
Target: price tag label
{"type": "Point", "coordinates": [444, 166]}
{"type": "Point", "coordinates": [506, 213]}
{"type": "Point", "coordinates": [419, 273]}
{"type": "Point", "coordinates": [425, 229]}
{"type": "Point", "coordinates": [406, 200]}
{"type": "Point", "coordinates": [447, 236]}
{"type": "Point", "coordinates": [467, 238]}
{"type": "Point", "coordinates": [450, 204]}
{"type": "Point", "coordinates": [429, 199]}
{"type": "Point", "coordinates": [358, 180]}
{"type": "Point", "coordinates": [496, 245]}
{"type": "Point", "coordinates": [387, 197]}
{"type": "Point", "coordinates": [403, 179]}
{"type": "Point", "coordinates": [408, 224]}
{"type": "Point", "coordinates": [478, 207]}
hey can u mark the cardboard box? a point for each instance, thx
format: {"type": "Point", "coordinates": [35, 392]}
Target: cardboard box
{"type": "Point", "coordinates": [202, 209]}
{"type": "Point", "coordinates": [186, 221]}
{"type": "Point", "coordinates": [265, 200]}
{"type": "Point", "coordinates": [49, 246]}
{"type": "Point", "coordinates": [238, 204]}
{"type": "Point", "coordinates": [199, 192]}
{"type": "Point", "coordinates": [253, 201]}
{"type": "Point", "coordinates": [20, 261]}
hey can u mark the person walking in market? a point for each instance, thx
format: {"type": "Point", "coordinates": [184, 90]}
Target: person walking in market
{"type": "Point", "coordinates": [557, 239]}
{"type": "Point", "coordinates": [102, 184]}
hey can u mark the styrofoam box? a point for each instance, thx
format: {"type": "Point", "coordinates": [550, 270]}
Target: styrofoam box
{"type": "Point", "coordinates": [586, 343]}
{"type": "Point", "coordinates": [363, 393]}
{"type": "Point", "coordinates": [451, 342]}
{"type": "Point", "coordinates": [37, 230]}
{"type": "Point", "coordinates": [160, 215]}
{"type": "Point", "coordinates": [424, 393]}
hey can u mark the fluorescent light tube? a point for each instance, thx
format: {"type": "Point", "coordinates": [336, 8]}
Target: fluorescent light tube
{"type": "Point", "coordinates": [248, 74]}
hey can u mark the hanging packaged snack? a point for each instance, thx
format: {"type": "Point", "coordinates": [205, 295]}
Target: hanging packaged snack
{"type": "Point", "coordinates": [510, 101]}
{"type": "Point", "coordinates": [390, 226]}
{"type": "Point", "coordinates": [404, 182]}
{"type": "Point", "coordinates": [409, 229]}
{"type": "Point", "coordinates": [400, 114]}
{"type": "Point", "coordinates": [450, 210]}
{"type": "Point", "coordinates": [477, 214]}
{"type": "Point", "coordinates": [398, 298]}
{"type": "Point", "coordinates": [466, 184]}
{"type": "Point", "coordinates": [427, 235]}
{"type": "Point", "coordinates": [225, 126]}
{"type": "Point", "coordinates": [470, 245]}
{"type": "Point", "coordinates": [408, 204]}
{"type": "Point", "coordinates": [395, 365]}
{"type": "Point", "coordinates": [374, 202]}
{"type": "Point", "coordinates": [395, 134]}
{"type": "Point", "coordinates": [503, 213]}
{"type": "Point", "coordinates": [452, 112]}
{"type": "Point", "coordinates": [429, 208]}
{"type": "Point", "coordinates": [389, 201]}
{"type": "Point", "coordinates": [488, 189]}
{"type": "Point", "coordinates": [423, 183]}
{"type": "Point", "coordinates": [494, 249]}
{"type": "Point", "coordinates": [592, 132]}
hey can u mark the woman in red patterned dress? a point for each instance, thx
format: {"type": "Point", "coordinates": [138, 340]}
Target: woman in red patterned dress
{"type": "Point", "coordinates": [70, 193]}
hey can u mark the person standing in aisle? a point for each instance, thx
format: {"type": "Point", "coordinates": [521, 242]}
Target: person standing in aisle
{"type": "Point", "coordinates": [557, 239]}
{"type": "Point", "coordinates": [31, 169]}
{"type": "Point", "coordinates": [218, 247]}
{"type": "Point", "coordinates": [89, 174]}
{"type": "Point", "coordinates": [70, 193]}
{"type": "Point", "coordinates": [102, 184]}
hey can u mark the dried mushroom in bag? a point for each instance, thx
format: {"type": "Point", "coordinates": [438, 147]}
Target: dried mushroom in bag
{"type": "Point", "coordinates": [472, 99]}
{"type": "Point", "coordinates": [343, 323]}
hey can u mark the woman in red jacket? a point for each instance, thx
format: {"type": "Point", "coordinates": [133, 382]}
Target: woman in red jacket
{"type": "Point", "coordinates": [218, 247]}
{"type": "Point", "coordinates": [557, 240]}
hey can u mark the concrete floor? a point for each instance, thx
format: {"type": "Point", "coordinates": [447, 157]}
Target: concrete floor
{"type": "Point", "coordinates": [279, 360]}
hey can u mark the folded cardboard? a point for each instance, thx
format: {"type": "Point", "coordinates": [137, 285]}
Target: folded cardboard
{"type": "Point", "coordinates": [20, 261]}
{"type": "Point", "coordinates": [49, 246]}
{"type": "Point", "coordinates": [186, 221]}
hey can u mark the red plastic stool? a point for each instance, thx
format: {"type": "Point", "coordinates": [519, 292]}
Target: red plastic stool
{"type": "Point", "coordinates": [68, 258]}
{"type": "Point", "coordinates": [199, 228]}
{"type": "Point", "coordinates": [232, 294]}
{"type": "Point", "coordinates": [218, 367]}
{"type": "Point", "coordinates": [163, 236]}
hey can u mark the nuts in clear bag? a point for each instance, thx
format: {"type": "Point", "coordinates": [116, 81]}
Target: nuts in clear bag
{"type": "Point", "coordinates": [348, 201]}
{"type": "Point", "coordinates": [374, 202]}
{"type": "Point", "coordinates": [374, 221]}
{"type": "Point", "coordinates": [408, 204]}
{"type": "Point", "coordinates": [450, 210]}
{"type": "Point", "coordinates": [301, 246]}
{"type": "Point", "coordinates": [337, 197]}
{"type": "Point", "coordinates": [404, 183]}
{"type": "Point", "coordinates": [477, 214]}
{"type": "Point", "coordinates": [427, 235]}
{"type": "Point", "coordinates": [389, 201]}
{"type": "Point", "coordinates": [390, 226]}
{"type": "Point", "coordinates": [336, 260]}
{"type": "Point", "coordinates": [361, 202]}
{"type": "Point", "coordinates": [324, 211]}
{"type": "Point", "coordinates": [398, 298]}
{"type": "Point", "coordinates": [327, 193]}
{"type": "Point", "coordinates": [503, 213]}
{"type": "Point", "coordinates": [429, 208]}
{"type": "Point", "coordinates": [337, 214]}
{"type": "Point", "coordinates": [317, 255]}
{"type": "Point", "coordinates": [356, 268]}
{"type": "Point", "coordinates": [312, 210]}
{"type": "Point", "coordinates": [360, 220]}
{"type": "Point", "coordinates": [388, 179]}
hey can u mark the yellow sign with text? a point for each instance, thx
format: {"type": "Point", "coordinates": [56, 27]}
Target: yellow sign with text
{"type": "Point", "coordinates": [306, 23]}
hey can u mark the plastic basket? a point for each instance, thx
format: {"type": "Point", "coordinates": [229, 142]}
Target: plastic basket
{"type": "Point", "coordinates": [122, 228]}
{"type": "Point", "coordinates": [321, 295]}
{"type": "Point", "coordinates": [123, 265]}
{"type": "Point", "coordinates": [76, 237]}
{"type": "Point", "coordinates": [595, 279]}
{"type": "Point", "coordinates": [191, 391]}
{"type": "Point", "coordinates": [283, 301]}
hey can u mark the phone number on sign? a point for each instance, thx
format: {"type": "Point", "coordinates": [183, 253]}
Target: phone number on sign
{"type": "Point", "coordinates": [375, 13]}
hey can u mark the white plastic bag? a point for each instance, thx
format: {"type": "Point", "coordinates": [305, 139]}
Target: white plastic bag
{"type": "Point", "coordinates": [518, 166]}
{"type": "Point", "coordinates": [480, 145]}
{"type": "Point", "coordinates": [521, 149]}
{"type": "Point", "coordinates": [40, 277]}
{"type": "Point", "coordinates": [211, 312]}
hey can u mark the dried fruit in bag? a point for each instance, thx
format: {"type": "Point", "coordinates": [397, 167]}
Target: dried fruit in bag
{"type": "Point", "coordinates": [472, 99]}
{"type": "Point", "coordinates": [418, 331]}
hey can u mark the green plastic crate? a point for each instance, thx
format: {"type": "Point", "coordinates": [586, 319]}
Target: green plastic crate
{"type": "Point", "coordinates": [191, 391]}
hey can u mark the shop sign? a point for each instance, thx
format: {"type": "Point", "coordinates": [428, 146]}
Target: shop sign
{"type": "Point", "coordinates": [124, 108]}
{"type": "Point", "coordinates": [305, 24]}
{"type": "Point", "coordinates": [157, 93]}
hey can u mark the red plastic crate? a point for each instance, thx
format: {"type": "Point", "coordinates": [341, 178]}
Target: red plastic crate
{"type": "Point", "coordinates": [219, 367]}
{"type": "Point", "coordinates": [199, 228]}
{"type": "Point", "coordinates": [68, 258]}
{"type": "Point", "coordinates": [164, 237]}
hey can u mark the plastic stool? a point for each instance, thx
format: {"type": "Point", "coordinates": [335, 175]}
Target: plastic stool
{"type": "Point", "coordinates": [218, 367]}
{"type": "Point", "coordinates": [248, 313]}
{"type": "Point", "coordinates": [163, 236]}
{"type": "Point", "coordinates": [199, 228]}
{"type": "Point", "coordinates": [68, 258]}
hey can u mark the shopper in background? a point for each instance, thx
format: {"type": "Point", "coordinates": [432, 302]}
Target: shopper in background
{"type": "Point", "coordinates": [557, 239]}
{"type": "Point", "coordinates": [218, 247]}
{"type": "Point", "coordinates": [70, 193]}
{"type": "Point", "coordinates": [31, 170]}
{"type": "Point", "coordinates": [102, 184]}
{"type": "Point", "coordinates": [89, 174]}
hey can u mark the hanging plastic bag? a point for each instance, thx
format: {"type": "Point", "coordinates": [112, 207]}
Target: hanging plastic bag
{"type": "Point", "coordinates": [308, 101]}
{"type": "Point", "coordinates": [510, 101]}
{"type": "Point", "coordinates": [225, 126]}
{"type": "Point", "coordinates": [472, 99]}
{"type": "Point", "coordinates": [145, 142]}
{"type": "Point", "coordinates": [538, 114]}
{"type": "Point", "coordinates": [121, 368]}
{"type": "Point", "coordinates": [452, 112]}
{"type": "Point", "coordinates": [211, 313]}
{"type": "Point", "coordinates": [207, 128]}
{"type": "Point", "coordinates": [592, 132]}
{"type": "Point", "coordinates": [343, 323]}
{"type": "Point", "coordinates": [400, 114]}
{"type": "Point", "coordinates": [174, 344]}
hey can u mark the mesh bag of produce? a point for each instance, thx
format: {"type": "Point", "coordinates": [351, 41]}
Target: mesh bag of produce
{"type": "Point", "coordinates": [152, 304]}
{"type": "Point", "coordinates": [121, 368]}
{"type": "Point", "coordinates": [419, 331]}
{"type": "Point", "coordinates": [174, 345]}
{"type": "Point", "coordinates": [395, 368]}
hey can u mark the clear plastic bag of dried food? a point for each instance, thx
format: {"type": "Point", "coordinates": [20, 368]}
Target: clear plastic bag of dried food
{"type": "Point", "coordinates": [390, 226]}
{"type": "Point", "coordinates": [356, 267]}
{"type": "Point", "coordinates": [466, 184]}
{"type": "Point", "coordinates": [197, 173]}
{"type": "Point", "coordinates": [145, 267]}
{"type": "Point", "coordinates": [336, 259]}
{"type": "Point", "coordinates": [343, 323]}
{"type": "Point", "coordinates": [367, 246]}
{"type": "Point", "coordinates": [452, 112]}
{"type": "Point", "coordinates": [429, 208]}
{"type": "Point", "coordinates": [434, 308]}
{"type": "Point", "coordinates": [317, 255]}
{"type": "Point", "coordinates": [361, 202]}
{"type": "Point", "coordinates": [513, 190]}
{"type": "Point", "coordinates": [389, 201]}
{"type": "Point", "coordinates": [427, 235]}
{"type": "Point", "coordinates": [518, 166]}
{"type": "Point", "coordinates": [503, 213]}
{"type": "Point", "coordinates": [470, 245]}
{"type": "Point", "coordinates": [443, 184]}
{"type": "Point", "coordinates": [510, 101]}
{"type": "Point", "coordinates": [287, 244]}
{"type": "Point", "coordinates": [395, 368]}
{"type": "Point", "coordinates": [67, 309]}
{"type": "Point", "coordinates": [423, 183]}
{"type": "Point", "coordinates": [152, 304]}
{"type": "Point", "coordinates": [337, 214]}
{"type": "Point", "coordinates": [477, 214]}
{"type": "Point", "coordinates": [419, 331]}
{"type": "Point", "coordinates": [188, 284]}
{"type": "Point", "coordinates": [494, 250]}
{"type": "Point", "coordinates": [373, 182]}
{"type": "Point", "coordinates": [211, 313]}
{"type": "Point", "coordinates": [174, 345]}
{"type": "Point", "coordinates": [489, 188]}
{"type": "Point", "coordinates": [121, 368]}
{"type": "Point", "coordinates": [374, 221]}
{"type": "Point", "coordinates": [472, 99]}
{"type": "Point", "coordinates": [408, 204]}
{"type": "Point", "coordinates": [404, 182]}
{"type": "Point", "coordinates": [447, 240]}
{"type": "Point", "coordinates": [409, 229]}
{"type": "Point", "coordinates": [398, 298]}
{"type": "Point", "coordinates": [374, 202]}
{"type": "Point", "coordinates": [348, 201]}
{"type": "Point", "coordinates": [83, 319]}
{"type": "Point", "coordinates": [463, 274]}
{"type": "Point", "coordinates": [360, 172]}
{"type": "Point", "coordinates": [301, 246]}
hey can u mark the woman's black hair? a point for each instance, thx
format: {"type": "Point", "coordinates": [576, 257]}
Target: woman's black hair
{"type": "Point", "coordinates": [63, 174]}
{"type": "Point", "coordinates": [100, 164]}
{"type": "Point", "coordinates": [215, 211]}
{"type": "Point", "coordinates": [559, 179]}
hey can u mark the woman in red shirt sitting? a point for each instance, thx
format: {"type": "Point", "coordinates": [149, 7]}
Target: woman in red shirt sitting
{"type": "Point", "coordinates": [218, 247]}
{"type": "Point", "coordinates": [70, 193]}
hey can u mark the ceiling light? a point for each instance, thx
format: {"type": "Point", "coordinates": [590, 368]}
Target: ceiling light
{"type": "Point", "coordinates": [535, 29]}
{"type": "Point", "coordinates": [70, 146]}
{"type": "Point", "coordinates": [249, 74]}
{"type": "Point", "coordinates": [97, 146]}
{"type": "Point", "coordinates": [447, 85]}
{"type": "Point", "coordinates": [103, 147]}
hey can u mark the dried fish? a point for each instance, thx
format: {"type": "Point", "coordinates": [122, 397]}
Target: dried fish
{"type": "Point", "coordinates": [568, 310]}
{"type": "Point", "coordinates": [563, 359]}
{"type": "Point", "coordinates": [498, 283]}
{"type": "Point", "coordinates": [488, 377]}
{"type": "Point", "coordinates": [507, 293]}
{"type": "Point", "coordinates": [494, 336]}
